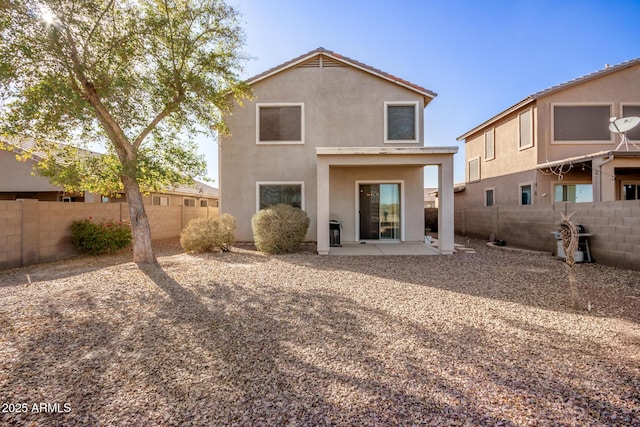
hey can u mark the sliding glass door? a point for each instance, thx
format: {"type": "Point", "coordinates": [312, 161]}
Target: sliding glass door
{"type": "Point", "coordinates": [379, 211]}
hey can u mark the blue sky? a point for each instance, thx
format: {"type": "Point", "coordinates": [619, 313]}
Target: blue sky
{"type": "Point", "coordinates": [480, 57]}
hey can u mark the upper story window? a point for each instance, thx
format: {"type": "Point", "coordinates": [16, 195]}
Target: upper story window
{"type": "Point", "coordinates": [280, 123]}
{"type": "Point", "coordinates": [632, 111]}
{"type": "Point", "coordinates": [581, 123]}
{"type": "Point", "coordinates": [489, 145]}
{"type": "Point", "coordinates": [401, 122]}
{"type": "Point", "coordinates": [273, 193]}
{"type": "Point", "coordinates": [474, 169]}
{"type": "Point", "coordinates": [525, 121]}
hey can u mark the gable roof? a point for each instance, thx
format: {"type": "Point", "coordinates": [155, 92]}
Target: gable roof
{"type": "Point", "coordinates": [553, 89]}
{"type": "Point", "coordinates": [426, 93]}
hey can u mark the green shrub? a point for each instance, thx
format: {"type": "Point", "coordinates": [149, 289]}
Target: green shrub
{"type": "Point", "coordinates": [100, 238]}
{"type": "Point", "coordinates": [279, 229]}
{"type": "Point", "coordinates": [209, 235]}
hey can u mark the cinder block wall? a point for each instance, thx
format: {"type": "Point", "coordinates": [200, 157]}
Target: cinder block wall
{"type": "Point", "coordinates": [32, 231]}
{"type": "Point", "coordinates": [615, 225]}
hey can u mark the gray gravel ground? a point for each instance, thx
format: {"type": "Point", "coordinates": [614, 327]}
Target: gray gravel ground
{"type": "Point", "coordinates": [244, 339]}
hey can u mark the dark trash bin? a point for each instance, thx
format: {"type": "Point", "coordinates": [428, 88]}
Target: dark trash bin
{"type": "Point", "coordinates": [335, 229]}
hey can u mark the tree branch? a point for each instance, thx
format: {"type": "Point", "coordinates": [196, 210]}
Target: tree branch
{"type": "Point", "coordinates": [168, 109]}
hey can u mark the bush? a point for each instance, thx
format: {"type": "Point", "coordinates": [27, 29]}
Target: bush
{"type": "Point", "coordinates": [100, 238]}
{"type": "Point", "coordinates": [209, 235]}
{"type": "Point", "coordinates": [279, 229]}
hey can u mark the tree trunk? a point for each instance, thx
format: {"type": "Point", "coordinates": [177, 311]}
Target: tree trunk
{"type": "Point", "coordinates": [140, 228]}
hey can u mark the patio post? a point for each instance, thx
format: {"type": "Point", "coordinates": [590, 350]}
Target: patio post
{"type": "Point", "coordinates": [322, 208]}
{"type": "Point", "coordinates": [445, 208]}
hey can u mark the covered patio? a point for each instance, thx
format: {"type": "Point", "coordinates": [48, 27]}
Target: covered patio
{"type": "Point", "coordinates": [363, 163]}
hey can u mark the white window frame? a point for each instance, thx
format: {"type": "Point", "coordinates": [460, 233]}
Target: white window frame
{"type": "Point", "coordinates": [280, 104]}
{"type": "Point", "coordinates": [469, 169]}
{"type": "Point", "coordinates": [491, 132]}
{"type": "Point", "coordinates": [578, 104]}
{"type": "Point", "coordinates": [531, 132]}
{"type": "Point", "coordinates": [524, 184]}
{"type": "Point", "coordinates": [486, 190]}
{"type": "Point", "coordinates": [160, 198]}
{"type": "Point", "coordinates": [300, 183]}
{"type": "Point", "coordinates": [416, 122]}
{"type": "Point", "coordinates": [184, 199]}
{"type": "Point", "coordinates": [357, 204]}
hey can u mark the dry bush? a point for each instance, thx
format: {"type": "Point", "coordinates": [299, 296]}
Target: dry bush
{"type": "Point", "coordinates": [209, 235]}
{"type": "Point", "coordinates": [279, 229]}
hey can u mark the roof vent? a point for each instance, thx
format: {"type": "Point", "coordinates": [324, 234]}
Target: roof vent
{"type": "Point", "coordinates": [607, 66]}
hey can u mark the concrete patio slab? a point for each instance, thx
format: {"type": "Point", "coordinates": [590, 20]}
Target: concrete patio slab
{"type": "Point", "coordinates": [383, 249]}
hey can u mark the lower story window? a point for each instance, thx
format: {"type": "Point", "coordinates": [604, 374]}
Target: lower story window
{"type": "Point", "coordinates": [273, 193]}
{"type": "Point", "coordinates": [489, 197]}
{"type": "Point", "coordinates": [188, 201]}
{"type": "Point", "coordinates": [160, 200]}
{"type": "Point", "coordinates": [631, 191]}
{"type": "Point", "coordinates": [525, 194]}
{"type": "Point", "coordinates": [204, 203]}
{"type": "Point", "coordinates": [575, 193]}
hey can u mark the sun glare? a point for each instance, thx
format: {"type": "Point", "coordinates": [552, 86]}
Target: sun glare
{"type": "Point", "coordinates": [47, 14]}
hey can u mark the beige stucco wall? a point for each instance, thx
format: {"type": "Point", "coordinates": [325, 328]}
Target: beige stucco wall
{"type": "Point", "coordinates": [508, 156]}
{"type": "Point", "coordinates": [16, 176]}
{"type": "Point", "coordinates": [616, 89]}
{"type": "Point", "coordinates": [342, 187]}
{"type": "Point", "coordinates": [343, 107]}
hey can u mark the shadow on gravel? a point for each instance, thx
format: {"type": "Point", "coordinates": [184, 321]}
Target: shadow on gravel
{"type": "Point", "coordinates": [532, 280]}
{"type": "Point", "coordinates": [263, 356]}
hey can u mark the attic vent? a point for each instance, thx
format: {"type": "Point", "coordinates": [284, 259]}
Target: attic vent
{"type": "Point", "coordinates": [321, 61]}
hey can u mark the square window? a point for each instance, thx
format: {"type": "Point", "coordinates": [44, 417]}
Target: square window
{"type": "Point", "coordinates": [401, 122]}
{"type": "Point", "coordinates": [280, 124]}
{"type": "Point", "coordinates": [526, 194]}
{"type": "Point", "coordinates": [489, 145]}
{"type": "Point", "coordinates": [276, 193]}
{"type": "Point", "coordinates": [581, 123]}
{"type": "Point", "coordinates": [204, 203]}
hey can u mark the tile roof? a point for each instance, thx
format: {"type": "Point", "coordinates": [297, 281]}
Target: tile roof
{"type": "Point", "coordinates": [352, 62]}
{"type": "Point", "coordinates": [553, 89]}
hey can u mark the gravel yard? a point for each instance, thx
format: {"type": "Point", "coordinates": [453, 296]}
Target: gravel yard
{"type": "Point", "coordinates": [244, 339]}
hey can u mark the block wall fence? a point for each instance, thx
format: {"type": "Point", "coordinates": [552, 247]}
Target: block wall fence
{"type": "Point", "coordinates": [615, 227]}
{"type": "Point", "coordinates": [32, 231]}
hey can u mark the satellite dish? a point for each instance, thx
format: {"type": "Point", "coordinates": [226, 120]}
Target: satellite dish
{"type": "Point", "coordinates": [622, 126]}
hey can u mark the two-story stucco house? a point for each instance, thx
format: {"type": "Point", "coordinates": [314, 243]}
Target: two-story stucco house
{"type": "Point", "coordinates": [342, 141]}
{"type": "Point", "coordinates": [556, 146]}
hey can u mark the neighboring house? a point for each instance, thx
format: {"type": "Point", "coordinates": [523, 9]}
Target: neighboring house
{"type": "Point", "coordinates": [341, 140]}
{"type": "Point", "coordinates": [19, 181]}
{"type": "Point", "coordinates": [555, 145]}
{"type": "Point", "coordinates": [430, 199]}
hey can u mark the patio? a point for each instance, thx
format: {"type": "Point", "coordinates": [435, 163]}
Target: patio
{"type": "Point", "coordinates": [358, 249]}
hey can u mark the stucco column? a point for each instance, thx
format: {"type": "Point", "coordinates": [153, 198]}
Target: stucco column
{"type": "Point", "coordinates": [445, 208]}
{"type": "Point", "coordinates": [322, 208]}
